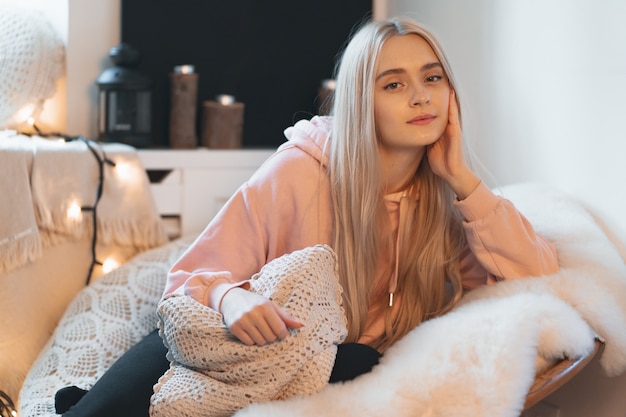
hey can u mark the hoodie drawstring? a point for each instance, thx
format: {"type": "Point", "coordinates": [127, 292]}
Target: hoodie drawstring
{"type": "Point", "coordinates": [393, 284]}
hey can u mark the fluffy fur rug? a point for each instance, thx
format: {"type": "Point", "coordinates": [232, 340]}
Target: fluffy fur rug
{"type": "Point", "coordinates": [480, 359]}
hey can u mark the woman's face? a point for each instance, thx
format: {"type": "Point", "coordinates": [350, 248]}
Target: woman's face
{"type": "Point", "coordinates": [411, 95]}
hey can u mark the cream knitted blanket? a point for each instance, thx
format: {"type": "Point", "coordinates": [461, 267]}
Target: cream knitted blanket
{"type": "Point", "coordinates": [46, 181]}
{"type": "Point", "coordinates": [213, 374]}
{"type": "Point", "coordinates": [19, 237]}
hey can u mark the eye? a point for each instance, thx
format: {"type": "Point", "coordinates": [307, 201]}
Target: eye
{"type": "Point", "coordinates": [434, 78]}
{"type": "Point", "coordinates": [392, 86]}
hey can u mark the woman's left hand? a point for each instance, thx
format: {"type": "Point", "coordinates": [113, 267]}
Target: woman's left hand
{"type": "Point", "coordinates": [447, 157]}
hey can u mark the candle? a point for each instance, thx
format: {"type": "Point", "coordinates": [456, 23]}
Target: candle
{"type": "Point", "coordinates": [225, 99]}
{"type": "Point", "coordinates": [184, 69]}
{"type": "Point", "coordinates": [222, 123]}
{"type": "Point", "coordinates": [184, 84]}
{"type": "Point", "coordinates": [325, 96]}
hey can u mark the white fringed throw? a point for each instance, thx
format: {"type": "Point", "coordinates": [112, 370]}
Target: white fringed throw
{"type": "Point", "coordinates": [19, 237]}
{"type": "Point", "coordinates": [44, 178]}
{"type": "Point", "coordinates": [67, 173]}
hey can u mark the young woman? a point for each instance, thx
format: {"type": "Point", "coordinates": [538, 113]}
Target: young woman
{"type": "Point", "coordinates": [385, 182]}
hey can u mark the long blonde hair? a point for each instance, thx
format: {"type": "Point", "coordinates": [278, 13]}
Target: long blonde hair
{"type": "Point", "coordinates": [433, 238]}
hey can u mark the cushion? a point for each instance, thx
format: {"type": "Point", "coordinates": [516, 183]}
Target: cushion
{"type": "Point", "coordinates": [214, 374]}
{"type": "Point", "coordinates": [102, 322]}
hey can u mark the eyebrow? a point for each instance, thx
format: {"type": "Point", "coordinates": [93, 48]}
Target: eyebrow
{"type": "Point", "coordinates": [424, 67]}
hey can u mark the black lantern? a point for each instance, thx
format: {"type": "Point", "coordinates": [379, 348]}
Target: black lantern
{"type": "Point", "coordinates": [125, 100]}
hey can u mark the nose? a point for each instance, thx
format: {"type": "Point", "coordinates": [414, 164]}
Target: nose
{"type": "Point", "coordinates": [420, 96]}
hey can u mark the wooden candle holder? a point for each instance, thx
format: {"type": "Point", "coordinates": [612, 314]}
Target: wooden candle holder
{"type": "Point", "coordinates": [184, 83]}
{"type": "Point", "coordinates": [222, 123]}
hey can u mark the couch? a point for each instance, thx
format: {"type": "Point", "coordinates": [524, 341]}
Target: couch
{"type": "Point", "coordinates": [481, 359]}
{"type": "Point", "coordinates": [49, 248]}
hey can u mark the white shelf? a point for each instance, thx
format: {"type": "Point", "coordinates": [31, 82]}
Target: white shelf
{"type": "Point", "coordinates": [197, 182]}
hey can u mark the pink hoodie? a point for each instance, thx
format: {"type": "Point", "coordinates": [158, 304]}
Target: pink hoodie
{"type": "Point", "coordinates": [286, 206]}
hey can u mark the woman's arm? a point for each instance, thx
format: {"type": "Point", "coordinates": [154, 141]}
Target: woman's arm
{"type": "Point", "coordinates": [502, 242]}
{"type": "Point", "coordinates": [221, 258]}
{"type": "Point", "coordinates": [272, 214]}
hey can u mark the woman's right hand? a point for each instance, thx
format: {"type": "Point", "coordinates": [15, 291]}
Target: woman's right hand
{"type": "Point", "coordinates": [254, 319]}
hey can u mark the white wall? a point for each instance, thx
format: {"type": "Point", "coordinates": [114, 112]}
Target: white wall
{"type": "Point", "coordinates": [543, 81]}
{"type": "Point", "coordinates": [94, 28]}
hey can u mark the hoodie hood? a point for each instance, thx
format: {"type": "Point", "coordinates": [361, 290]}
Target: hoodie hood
{"type": "Point", "coordinates": [311, 136]}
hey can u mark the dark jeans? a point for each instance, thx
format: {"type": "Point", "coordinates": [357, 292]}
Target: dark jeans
{"type": "Point", "coordinates": [125, 389]}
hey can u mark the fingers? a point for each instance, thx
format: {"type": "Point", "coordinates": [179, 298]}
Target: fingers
{"type": "Point", "coordinates": [241, 334]}
{"type": "Point", "coordinates": [453, 109]}
{"type": "Point", "coordinates": [252, 335]}
{"type": "Point", "coordinates": [446, 156]}
{"type": "Point", "coordinates": [289, 320]}
{"type": "Point", "coordinates": [264, 324]}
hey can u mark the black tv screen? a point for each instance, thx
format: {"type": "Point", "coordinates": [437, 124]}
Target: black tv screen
{"type": "Point", "coordinates": [270, 55]}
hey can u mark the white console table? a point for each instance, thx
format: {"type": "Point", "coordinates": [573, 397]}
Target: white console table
{"type": "Point", "coordinates": [190, 186]}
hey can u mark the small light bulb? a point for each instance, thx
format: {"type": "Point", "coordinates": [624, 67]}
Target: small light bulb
{"type": "Point", "coordinates": [124, 170]}
{"type": "Point", "coordinates": [109, 265]}
{"type": "Point", "coordinates": [74, 212]}
{"type": "Point", "coordinates": [25, 114]}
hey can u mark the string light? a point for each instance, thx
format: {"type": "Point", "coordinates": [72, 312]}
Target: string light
{"type": "Point", "coordinates": [7, 408]}
{"type": "Point", "coordinates": [125, 171]}
{"type": "Point", "coordinates": [109, 265]}
{"type": "Point", "coordinates": [75, 213]}
{"type": "Point", "coordinates": [25, 114]}
{"type": "Point", "coordinates": [101, 159]}
{"type": "Point", "coordinates": [31, 121]}
{"type": "Point", "coordinates": [75, 210]}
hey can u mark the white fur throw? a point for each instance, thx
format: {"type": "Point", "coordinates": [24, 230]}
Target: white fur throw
{"type": "Point", "coordinates": [213, 374]}
{"type": "Point", "coordinates": [480, 359]}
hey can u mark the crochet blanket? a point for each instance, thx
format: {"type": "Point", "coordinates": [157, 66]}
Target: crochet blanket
{"type": "Point", "coordinates": [480, 359]}
{"type": "Point", "coordinates": [213, 374]}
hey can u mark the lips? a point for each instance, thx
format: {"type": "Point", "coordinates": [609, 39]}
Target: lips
{"type": "Point", "coordinates": [422, 119]}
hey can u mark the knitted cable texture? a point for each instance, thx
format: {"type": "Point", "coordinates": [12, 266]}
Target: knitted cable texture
{"type": "Point", "coordinates": [32, 58]}
{"type": "Point", "coordinates": [213, 374]}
